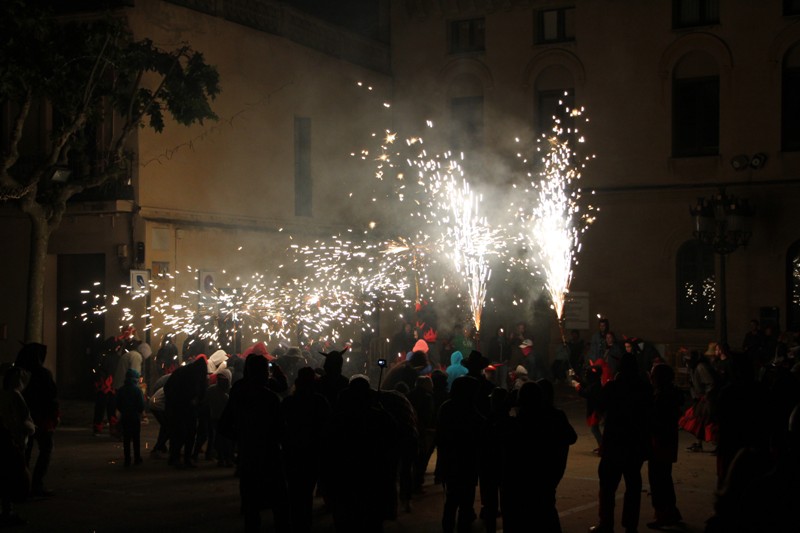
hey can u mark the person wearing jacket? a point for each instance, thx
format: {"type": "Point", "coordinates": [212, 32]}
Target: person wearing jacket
{"type": "Point", "coordinates": [41, 397]}
{"type": "Point", "coordinates": [456, 369]}
{"type": "Point", "coordinates": [130, 404]}
{"type": "Point", "coordinates": [16, 425]}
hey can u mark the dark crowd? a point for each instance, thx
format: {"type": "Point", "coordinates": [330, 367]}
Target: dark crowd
{"type": "Point", "coordinates": [490, 421]}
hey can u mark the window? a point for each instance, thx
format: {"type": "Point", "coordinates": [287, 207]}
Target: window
{"type": "Point", "coordinates": [696, 286]}
{"type": "Point", "coordinates": [555, 25]}
{"type": "Point", "coordinates": [553, 104]}
{"type": "Point", "coordinates": [467, 36]}
{"type": "Point", "coordinates": [302, 167]}
{"type": "Point", "coordinates": [791, 7]}
{"type": "Point", "coordinates": [793, 287]}
{"type": "Point", "coordinates": [467, 122]}
{"type": "Point", "coordinates": [790, 102]}
{"type": "Point", "coordinates": [689, 13]}
{"type": "Point", "coordinates": [695, 117]}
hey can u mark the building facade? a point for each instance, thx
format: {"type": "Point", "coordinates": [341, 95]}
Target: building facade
{"type": "Point", "coordinates": [686, 99]}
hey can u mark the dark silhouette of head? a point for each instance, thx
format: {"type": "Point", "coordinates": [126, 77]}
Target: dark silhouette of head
{"type": "Point", "coordinates": [439, 379]}
{"type": "Point", "coordinates": [334, 361]}
{"type": "Point", "coordinates": [31, 356]}
{"type": "Point", "coordinates": [628, 365]}
{"type": "Point", "coordinates": [418, 360]}
{"type": "Point", "coordinates": [475, 363]}
{"type": "Point", "coordinates": [662, 376]}
{"type": "Point", "coordinates": [256, 367]}
{"type": "Point", "coordinates": [548, 391]}
{"type": "Point", "coordinates": [424, 383]}
{"type": "Point", "coordinates": [531, 398]}
{"type": "Point", "coordinates": [464, 389]}
{"type": "Point", "coordinates": [305, 379]}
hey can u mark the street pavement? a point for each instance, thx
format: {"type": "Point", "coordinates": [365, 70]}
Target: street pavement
{"type": "Point", "coordinates": [93, 492]}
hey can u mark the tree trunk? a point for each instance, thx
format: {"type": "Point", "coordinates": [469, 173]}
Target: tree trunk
{"type": "Point", "coordinates": [40, 237]}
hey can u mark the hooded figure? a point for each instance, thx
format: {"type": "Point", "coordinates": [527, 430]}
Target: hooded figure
{"type": "Point", "coordinates": [132, 359]}
{"type": "Point", "coordinates": [217, 362]}
{"type": "Point", "coordinates": [456, 369]}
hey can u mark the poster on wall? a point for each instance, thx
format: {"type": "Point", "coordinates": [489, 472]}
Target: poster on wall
{"type": "Point", "coordinates": [207, 281]}
{"type": "Point", "coordinates": [140, 281]}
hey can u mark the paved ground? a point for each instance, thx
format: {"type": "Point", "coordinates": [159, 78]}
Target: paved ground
{"type": "Point", "coordinates": [95, 493]}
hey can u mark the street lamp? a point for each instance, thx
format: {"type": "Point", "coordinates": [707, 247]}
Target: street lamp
{"type": "Point", "coordinates": [723, 223]}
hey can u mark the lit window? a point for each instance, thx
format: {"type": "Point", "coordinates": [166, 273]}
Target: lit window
{"type": "Point", "coordinates": [696, 286]}
{"type": "Point", "coordinates": [793, 287]}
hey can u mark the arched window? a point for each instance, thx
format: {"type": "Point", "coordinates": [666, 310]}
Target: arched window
{"type": "Point", "coordinates": [553, 85]}
{"type": "Point", "coordinates": [695, 106]}
{"type": "Point", "coordinates": [466, 112]}
{"type": "Point", "coordinates": [696, 286]}
{"type": "Point", "coordinates": [790, 101]}
{"type": "Point", "coordinates": [793, 287]}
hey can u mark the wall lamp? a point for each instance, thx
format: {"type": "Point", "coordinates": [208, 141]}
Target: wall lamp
{"type": "Point", "coordinates": [743, 161]}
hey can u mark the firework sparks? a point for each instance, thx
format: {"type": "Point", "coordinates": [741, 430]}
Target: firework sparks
{"type": "Point", "coordinates": [556, 222]}
{"type": "Point", "coordinates": [472, 242]}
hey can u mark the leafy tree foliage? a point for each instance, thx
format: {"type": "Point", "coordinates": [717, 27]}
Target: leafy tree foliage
{"type": "Point", "coordinates": [84, 73]}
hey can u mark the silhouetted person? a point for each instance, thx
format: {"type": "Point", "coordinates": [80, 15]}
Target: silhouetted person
{"type": "Point", "coordinates": [192, 347]}
{"type": "Point", "coordinates": [475, 364]}
{"type": "Point", "coordinates": [252, 419]}
{"type": "Point", "coordinates": [305, 415]}
{"type": "Point", "coordinates": [183, 392]}
{"type": "Point", "coordinates": [499, 352]}
{"type": "Point", "coordinates": [626, 402]}
{"type": "Point", "coordinates": [406, 371]}
{"type": "Point", "coordinates": [421, 398]}
{"type": "Point", "coordinates": [397, 405]}
{"type": "Point", "coordinates": [360, 465]}
{"type": "Point", "coordinates": [332, 381]}
{"type": "Point", "coordinates": [667, 404]}
{"type": "Point", "coordinates": [460, 440]}
{"type": "Point", "coordinates": [130, 403]}
{"type": "Point", "coordinates": [290, 363]}
{"type": "Point", "coordinates": [535, 448]}
{"type": "Point", "coordinates": [40, 395]}
{"type": "Point", "coordinates": [589, 388]}
{"type": "Point", "coordinates": [16, 426]}
{"type": "Point", "coordinates": [166, 359]}
{"type": "Point", "coordinates": [402, 341]}
{"type": "Point", "coordinates": [217, 396]}
{"type": "Point", "coordinates": [491, 460]}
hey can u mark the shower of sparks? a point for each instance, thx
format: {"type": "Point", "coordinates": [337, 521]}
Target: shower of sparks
{"type": "Point", "coordinates": [555, 222]}
{"type": "Point", "coordinates": [443, 243]}
{"type": "Point", "coordinates": [472, 242]}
